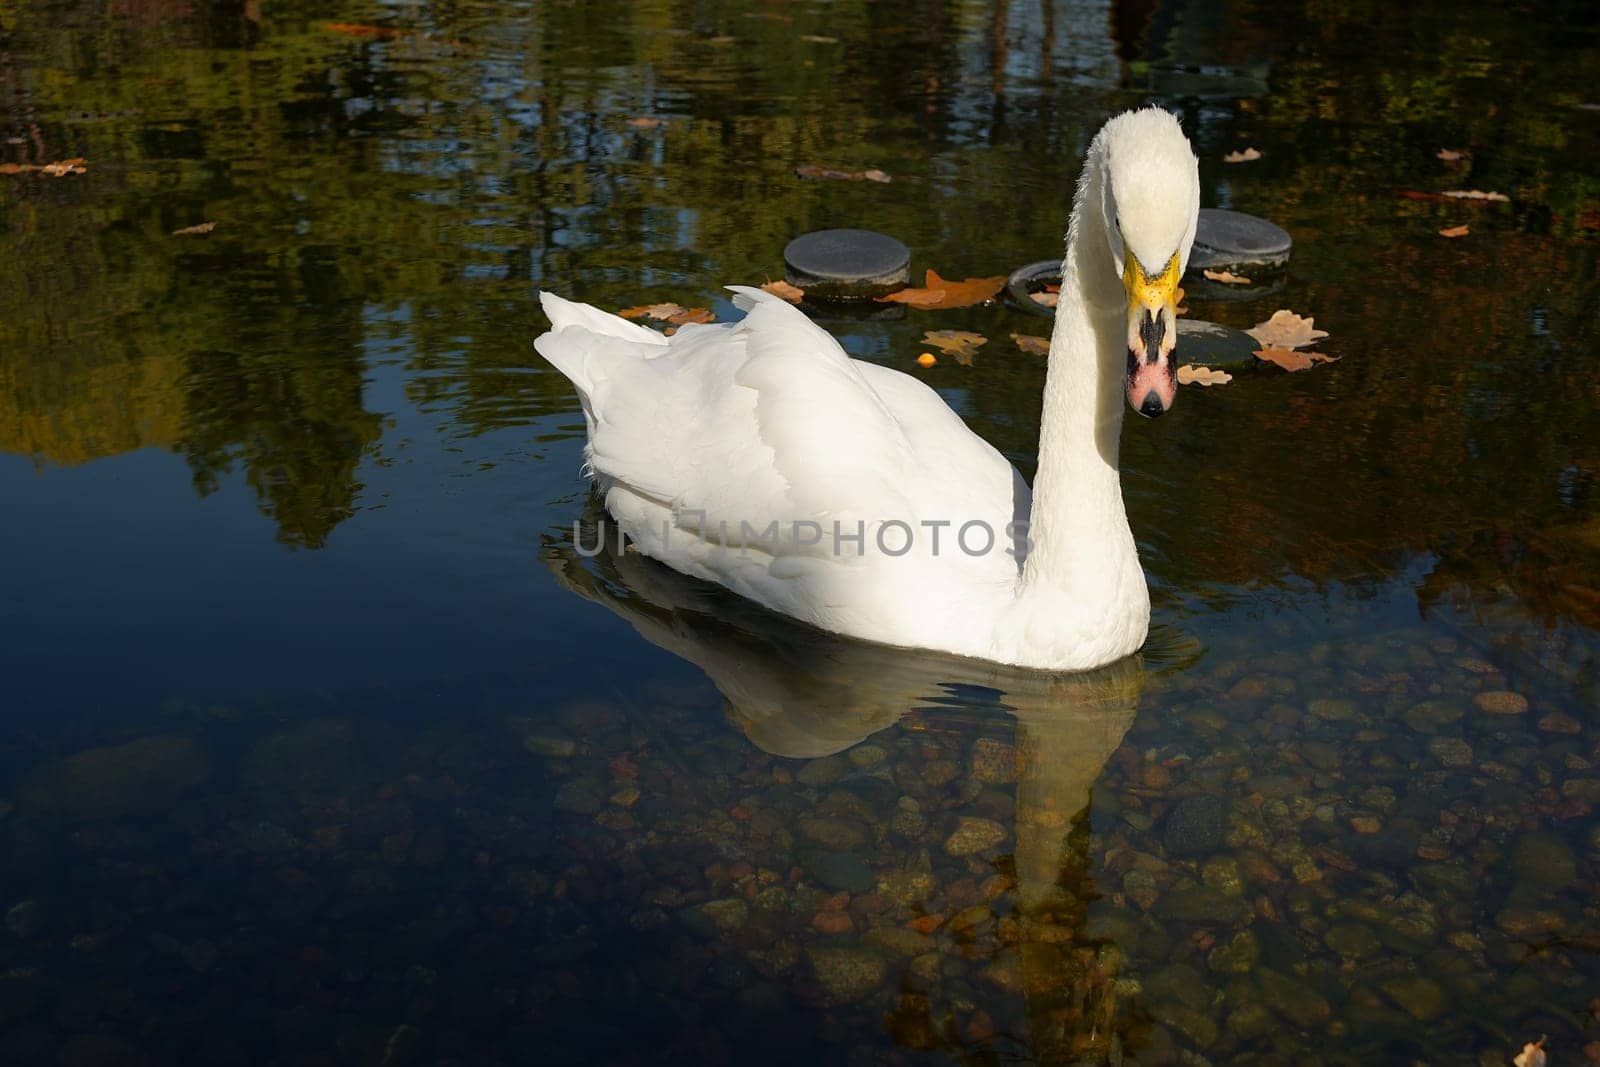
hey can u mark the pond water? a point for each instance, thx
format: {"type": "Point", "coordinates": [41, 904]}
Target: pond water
{"type": "Point", "coordinates": [320, 743]}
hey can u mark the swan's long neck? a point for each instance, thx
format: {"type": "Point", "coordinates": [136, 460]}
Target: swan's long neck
{"type": "Point", "coordinates": [1081, 547]}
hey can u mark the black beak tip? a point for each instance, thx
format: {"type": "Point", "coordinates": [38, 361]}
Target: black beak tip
{"type": "Point", "coordinates": [1151, 406]}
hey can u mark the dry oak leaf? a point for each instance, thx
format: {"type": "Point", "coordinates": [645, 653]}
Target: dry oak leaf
{"type": "Point", "coordinates": [1532, 1054]}
{"type": "Point", "coordinates": [1225, 277]}
{"type": "Point", "coordinates": [1045, 299]}
{"type": "Point", "coordinates": [55, 170]}
{"type": "Point", "coordinates": [1189, 374]}
{"type": "Point", "coordinates": [1455, 231]}
{"type": "Point", "coordinates": [1286, 330]}
{"type": "Point", "coordinates": [1476, 194]}
{"type": "Point", "coordinates": [1034, 346]}
{"type": "Point", "coordinates": [356, 29]}
{"type": "Point", "coordinates": [792, 293]}
{"type": "Point", "coordinates": [1249, 155]}
{"type": "Point", "coordinates": [944, 293]}
{"type": "Point", "coordinates": [645, 122]}
{"type": "Point", "coordinates": [1450, 155]}
{"type": "Point", "coordinates": [1289, 359]}
{"type": "Point", "coordinates": [195, 230]}
{"type": "Point", "coordinates": [813, 172]}
{"type": "Point", "coordinates": [817, 38]}
{"type": "Point", "coordinates": [962, 344]}
{"type": "Point", "coordinates": [676, 314]}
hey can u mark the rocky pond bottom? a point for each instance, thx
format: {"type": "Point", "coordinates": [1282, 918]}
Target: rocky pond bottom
{"type": "Point", "coordinates": [1304, 848]}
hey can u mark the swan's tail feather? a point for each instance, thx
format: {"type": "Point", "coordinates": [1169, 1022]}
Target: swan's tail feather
{"type": "Point", "coordinates": [564, 313]}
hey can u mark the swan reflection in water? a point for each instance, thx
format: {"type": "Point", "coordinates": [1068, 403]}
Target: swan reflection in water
{"type": "Point", "coordinates": [801, 693]}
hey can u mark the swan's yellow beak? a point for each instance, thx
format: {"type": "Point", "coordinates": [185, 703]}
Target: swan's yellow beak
{"type": "Point", "coordinates": [1152, 335]}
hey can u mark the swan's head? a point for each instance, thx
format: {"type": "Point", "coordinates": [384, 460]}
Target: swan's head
{"type": "Point", "coordinates": [1151, 199]}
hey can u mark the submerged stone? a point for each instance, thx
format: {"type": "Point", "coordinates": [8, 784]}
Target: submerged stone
{"type": "Point", "coordinates": [1421, 997]}
{"type": "Point", "coordinates": [145, 775]}
{"type": "Point", "coordinates": [1544, 860]}
{"type": "Point", "coordinates": [973, 835]}
{"type": "Point", "coordinates": [1295, 1001]}
{"type": "Point", "coordinates": [1195, 826]}
{"type": "Point", "coordinates": [847, 975]}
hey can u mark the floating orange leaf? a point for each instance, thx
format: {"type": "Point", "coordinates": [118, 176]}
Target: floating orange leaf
{"type": "Point", "coordinates": [195, 230]}
{"type": "Point", "coordinates": [1532, 1054]}
{"type": "Point", "coordinates": [55, 170]}
{"type": "Point", "coordinates": [1225, 277]}
{"type": "Point", "coordinates": [1287, 330]}
{"type": "Point", "coordinates": [1189, 374]}
{"type": "Point", "coordinates": [926, 360]}
{"type": "Point", "coordinates": [1455, 231]}
{"type": "Point", "coordinates": [812, 172]}
{"type": "Point", "coordinates": [356, 29]}
{"type": "Point", "coordinates": [1450, 155]}
{"type": "Point", "coordinates": [817, 38]}
{"type": "Point", "coordinates": [676, 314]}
{"type": "Point", "coordinates": [1476, 194]}
{"type": "Point", "coordinates": [1290, 360]}
{"type": "Point", "coordinates": [792, 293]}
{"type": "Point", "coordinates": [943, 293]}
{"type": "Point", "coordinates": [1045, 299]}
{"type": "Point", "coordinates": [962, 344]}
{"type": "Point", "coordinates": [645, 122]}
{"type": "Point", "coordinates": [1034, 346]}
{"type": "Point", "coordinates": [1249, 155]}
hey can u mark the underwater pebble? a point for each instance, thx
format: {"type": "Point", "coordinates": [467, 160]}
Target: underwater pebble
{"type": "Point", "coordinates": [1295, 1001]}
{"type": "Point", "coordinates": [1450, 751]}
{"type": "Point", "coordinates": [1558, 722]}
{"type": "Point", "coordinates": [1351, 939]}
{"type": "Point", "coordinates": [1195, 826]}
{"type": "Point", "coordinates": [1430, 715]}
{"type": "Point", "coordinates": [1501, 702]}
{"type": "Point", "coordinates": [847, 975]}
{"type": "Point", "coordinates": [993, 762]}
{"type": "Point", "coordinates": [1422, 998]}
{"type": "Point", "coordinates": [973, 835]}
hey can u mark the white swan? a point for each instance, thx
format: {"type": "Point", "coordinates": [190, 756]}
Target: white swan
{"type": "Point", "coordinates": [757, 454]}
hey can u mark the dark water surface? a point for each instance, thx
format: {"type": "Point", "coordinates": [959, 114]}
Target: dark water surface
{"type": "Point", "coordinates": [319, 745]}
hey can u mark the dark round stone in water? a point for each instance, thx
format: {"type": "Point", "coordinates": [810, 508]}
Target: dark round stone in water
{"type": "Point", "coordinates": [1233, 239]}
{"type": "Point", "coordinates": [1210, 344]}
{"type": "Point", "coordinates": [1195, 827]}
{"type": "Point", "coordinates": [847, 264]}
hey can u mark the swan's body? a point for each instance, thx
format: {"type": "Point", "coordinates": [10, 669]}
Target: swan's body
{"type": "Point", "coordinates": [752, 454]}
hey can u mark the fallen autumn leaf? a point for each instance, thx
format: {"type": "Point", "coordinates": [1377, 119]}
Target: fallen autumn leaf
{"type": "Point", "coordinates": [1249, 155]}
{"type": "Point", "coordinates": [676, 314]}
{"type": "Point", "coordinates": [1045, 299]}
{"type": "Point", "coordinates": [1532, 1054]}
{"type": "Point", "coordinates": [645, 122]}
{"type": "Point", "coordinates": [195, 230]}
{"type": "Point", "coordinates": [817, 38]}
{"type": "Point", "coordinates": [1287, 330]}
{"type": "Point", "coordinates": [1455, 231]}
{"type": "Point", "coordinates": [812, 172]}
{"type": "Point", "coordinates": [55, 170]}
{"type": "Point", "coordinates": [792, 293]}
{"type": "Point", "coordinates": [1290, 360]}
{"type": "Point", "coordinates": [1476, 194]}
{"type": "Point", "coordinates": [1225, 277]}
{"type": "Point", "coordinates": [940, 293]}
{"type": "Point", "coordinates": [962, 344]}
{"type": "Point", "coordinates": [1034, 346]}
{"type": "Point", "coordinates": [1189, 374]}
{"type": "Point", "coordinates": [1450, 155]}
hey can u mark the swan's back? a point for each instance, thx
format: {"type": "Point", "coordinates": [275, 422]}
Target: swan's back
{"type": "Point", "coordinates": [734, 452]}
